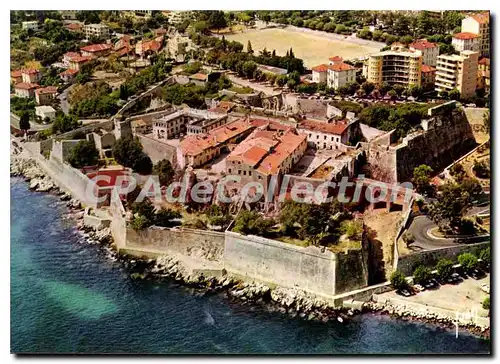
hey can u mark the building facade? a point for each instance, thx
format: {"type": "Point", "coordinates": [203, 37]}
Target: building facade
{"type": "Point", "coordinates": [457, 72]}
{"type": "Point", "coordinates": [25, 90]}
{"type": "Point", "coordinates": [96, 30]}
{"type": "Point", "coordinates": [324, 135]}
{"type": "Point", "coordinates": [395, 68]}
{"type": "Point", "coordinates": [479, 24]}
{"type": "Point", "coordinates": [30, 25]}
{"type": "Point", "coordinates": [429, 50]}
{"type": "Point", "coordinates": [465, 42]}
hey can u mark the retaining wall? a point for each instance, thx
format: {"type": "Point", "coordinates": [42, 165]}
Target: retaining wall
{"type": "Point", "coordinates": [157, 150]}
{"type": "Point", "coordinates": [429, 258]}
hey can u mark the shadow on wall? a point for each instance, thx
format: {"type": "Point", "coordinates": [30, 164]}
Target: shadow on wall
{"type": "Point", "coordinates": [376, 264]}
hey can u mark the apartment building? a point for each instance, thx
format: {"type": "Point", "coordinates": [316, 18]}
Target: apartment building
{"type": "Point", "coordinates": [96, 30]}
{"type": "Point", "coordinates": [395, 67]}
{"type": "Point", "coordinates": [429, 50]}
{"type": "Point", "coordinates": [457, 72]}
{"type": "Point", "coordinates": [479, 24]}
{"type": "Point", "coordinates": [45, 95]}
{"type": "Point", "coordinates": [465, 41]}
{"type": "Point", "coordinates": [68, 14]}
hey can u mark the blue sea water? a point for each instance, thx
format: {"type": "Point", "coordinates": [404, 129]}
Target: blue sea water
{"type": "Point", "coordinates": [67, 297]}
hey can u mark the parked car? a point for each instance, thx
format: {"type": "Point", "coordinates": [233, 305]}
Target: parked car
{"type": "Point", "coordinates": [475, 273]}
{"type": "Point", "coordinates": [485, 288]}
{"type": "Point", "coordinates": [429, 284]}
{"type": "Point", "coordinates": [419, 288]}
{"type": "Point", "coordinates": [405, 293]}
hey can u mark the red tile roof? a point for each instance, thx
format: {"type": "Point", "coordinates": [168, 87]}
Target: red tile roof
{"type": "Point", "coordinates": [465, 35]}
{"type": "Point", "coordinates": [73, 26]}
{"type": "Point", "coordinates": [30, 71]}
{"type": "Point", "coordinates": [47, 90]}
{"type": "Point", "coordinates": [69, 72]}
{"type": "Point", "coordinates": [81, 59]}
{"type": "Point", "coordinates": [481, 18]}
{"type": "Point", "coordinates": [336, 59]}
{"type": "Point", "coordinates": [426, 68]}
{"type": "Point", "coordinates": [96, 48]}
{"type": "Point", "coordinates": [422, 44]}
{"type": "Point", "coordinates": [199, 77]}
{"type": "Point", "coordinates": [195, 144]}
{"type": "Point", "coordinates": [16, 73]}
{"type": "Point", "coordinates": [27, 86]}
{"type": "Point", "coordinates": [289, 143]}
{"type": "Point", "coordinates": [485, 61]}
{"type": "Point", "coordinates": [336, 128]}
{"type": "Point", "coordinates": [337, 67]}
{"type": "Point", "coordinates": [320, 68]}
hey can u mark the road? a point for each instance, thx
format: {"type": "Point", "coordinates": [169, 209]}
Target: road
{"type": "Point", "coordinates": [14, 120]}
{"type": "Point", "coordinates": [63, 99]}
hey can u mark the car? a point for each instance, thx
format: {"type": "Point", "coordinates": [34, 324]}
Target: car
{"type": "Point", "coordinates": [419, 288]}
{"type": "Point", "coordinates": [485, 288]}
{"type": "Point", "coordinates": [405, 293]}
{"type": "Point", "coordinates": [475, 273]}
{"type": "Point", "coordinates": [429, 284]}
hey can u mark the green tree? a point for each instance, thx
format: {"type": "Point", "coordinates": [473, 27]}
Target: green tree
{"type": "Point", "coordinates": [453, 201]}
{"type": "Point", "coordinates": [249, 48]}
{"type": "Point", "coordinates": [281, 80]}
{"type": "Point", "coordinates": [249, 68]}
{"type": "Point", "coordinates": [398, 280]}
{"type": "Point", "coordinates": [251, 222]}
{"type": "Point", "coordinates": [368, 87]}
{"type": "Point", "coordinates": [84, 154]}
{"type": "Point", "coordinates": [165, 216]}
{"type": "Point", "coordinates": [485, 255]}
{"type": "Point", "coordinates": [64, 123]}
{"type": "Point", "coordinates": [422, 274]}
{"type": "Point", "coordinates": [408, 238]}
{"type": "Point", "coordinates": [421, 178]}
{"type": "Point", "coordinates": [467, 260]}
{"type": "Point", "coordinates": [24, 121]}
{"type": "Point", "coordinates": [165, 172]}
{"type": "Point", "coordinates": [444, 268]}
{"type": "Point", "coordinates": [144, 208]}
{"type": "Point", "coordinates": [139, 223]}
{"type": "Point", "coordinates": [454, 94]}
{"type": "Point", "coordinates": [128, 152]}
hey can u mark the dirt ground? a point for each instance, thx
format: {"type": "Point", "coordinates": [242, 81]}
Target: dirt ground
{"type": "Point", "coordinates": [475, 117]}
{"type": "Point", "coordinates": [383, 228]}
{"type": "Point", "coordinates": [314, 50]}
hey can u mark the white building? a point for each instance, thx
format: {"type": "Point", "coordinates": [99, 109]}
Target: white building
{"type": "Point", "coordinates": [30, 25]}
{"type": "Point", "coordinates": [96, 30]}
{"type": "Point", "coordinates": [45, 112]}
{"type": "Point", "coordinates": [479, 24]}
{"type": "Point", "coordinates": [457, 72]}
{"type": "Point", "coordinates": [429, 50]}
{"type": "Point", "coordinates": [319, 73]}
{"type": "Point", "coordinates": [465, 42]}
{"type": "Point", "coordinates": [340, 74]}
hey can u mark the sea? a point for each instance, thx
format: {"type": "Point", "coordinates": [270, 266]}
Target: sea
{"type": "Point", "coordinates": [68, 296]}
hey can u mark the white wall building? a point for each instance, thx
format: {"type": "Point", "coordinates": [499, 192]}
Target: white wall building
{"type": "Point", "coordinates": [465, 42]}
{"type": "Point", "coordinates": [30, 25]}
{"type": "Point", "coordinates": [45, 112]}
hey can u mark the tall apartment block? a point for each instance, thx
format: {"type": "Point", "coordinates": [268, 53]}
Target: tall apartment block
{"type": "Point", "coordinates": [457, 72]}
{"type": "Point", "coordinates": [394, 67]}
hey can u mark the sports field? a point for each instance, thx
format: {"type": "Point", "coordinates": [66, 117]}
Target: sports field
{"type": "Point", "coordinates": [313, 49]}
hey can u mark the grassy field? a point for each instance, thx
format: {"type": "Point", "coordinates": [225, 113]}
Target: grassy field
{"type": "Point", "coordinates": [312, 49]}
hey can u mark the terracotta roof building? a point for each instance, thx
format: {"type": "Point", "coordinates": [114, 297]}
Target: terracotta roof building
{"type": "Point", "coordinates": [16, 76]}
{"type": "Point", "coordinates": [25, 89]}
{"type": "Point", "coordinates": [465, 41]}
{"type": "Point", "coordinates": [96, 50]}
{"type": "Point", "coordinates": [328, 135]}
{"type": "Point", "coordinates": [479, 24]}
{"type": "Point", "coordinates": [44, 95]}
{"type": "Point", "coordinates": [429, 50]}
{"type": "Point", "coordinates": [31, 75]}
{"type": "Point", "coordinates": [198, 149]}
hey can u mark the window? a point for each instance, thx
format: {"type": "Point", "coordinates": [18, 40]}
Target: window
{"type": "Point", "coordinates": [244, 173]}
{"type": "Point", "coordinates": [260, 177]}
{"type": "Point", "coordinates": [229, 170]}
{"type": "Point", "coordinates": [239, 171]}
{"type": "Point", "coordinates": [332, 139]}
{"type": "Point", "coordinates": [249, 173]}
{"type": "Point", "coordinates": [324, 137]}
{"type": "Point", "coordinates": [317, 136]}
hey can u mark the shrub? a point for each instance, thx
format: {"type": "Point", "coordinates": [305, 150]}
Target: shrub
{"type": "Point", "coordinates": [444, 268]}
{"type": "Point", "coordinates": [421, 274]}
{"type": "Point", "coordinates": [481, 169]}
{"type": "Point", "coordinates": [398, 280]}
{"type": "Point", "coordinates": [139, 223]}
{"type": "Point", "coordinates": [485, 255]}
{"type": "Point", "coordinates": [467, 260]}
{"type": "Point", "coordinates": [486, 303]}
{"type": "Point", "coordinates": [408, 238]}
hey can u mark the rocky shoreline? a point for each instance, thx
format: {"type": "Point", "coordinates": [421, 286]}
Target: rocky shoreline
{"type": "Point", "coordinates": [288, 301]}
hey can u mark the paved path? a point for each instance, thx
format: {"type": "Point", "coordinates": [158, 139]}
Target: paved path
{"type": "Point", "coordinates": [262, 88]}
{"type": "Point", "coordinates": [63, 99]}
{"type": "Point", "coordinates": [14, 121]}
